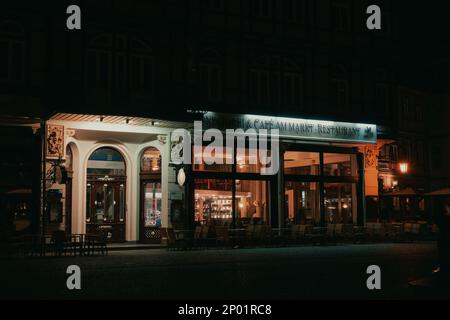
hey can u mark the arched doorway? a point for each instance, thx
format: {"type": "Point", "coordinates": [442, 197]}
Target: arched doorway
{"type": "Point", "coordinates": [105, 194]}
{"type": "Point", "coordinates": [151, 196]}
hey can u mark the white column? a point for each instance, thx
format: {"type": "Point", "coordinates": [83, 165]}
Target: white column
{"type": "Point", "coordinates": [165, 154]}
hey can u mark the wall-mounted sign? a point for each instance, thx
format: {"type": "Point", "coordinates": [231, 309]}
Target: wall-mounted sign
{"type": "Point", "coordinates": [304, 129]}
{"type": "Point", "coordinates": [55, 141]}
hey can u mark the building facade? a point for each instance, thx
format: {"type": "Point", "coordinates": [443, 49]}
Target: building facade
{"type": "Point", "coordinates": [150, 61]}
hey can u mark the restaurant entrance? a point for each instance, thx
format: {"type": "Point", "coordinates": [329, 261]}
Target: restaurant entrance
{"type": "Point", "coordinates": [105, 195]}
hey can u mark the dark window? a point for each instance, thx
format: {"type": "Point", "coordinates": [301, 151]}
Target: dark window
{"type": "Point", "coordinates": [437, 157]}
{"type": "Point", "coordinates": [99, 69]}
{"type": "Point", "coordinates": [216, 5]}
{"type": "Point", "coordinates": [142, 74]}
{"type": "Point", "coordinates": [259, 87]}
{"type": "Point", "coordinates": [293, 89]}
{"type": "Point", "coordinates": [211, 81]}
{"type": "Point", "coordinates": [295, 10]}
{"type": "Point", "coordinates": [119, 68]}
{"type": "Point", "coordinates": [382, 103]}
{"type": "Point", "coordinates": [339, 89]}
{"type": "Point", "coordinates": [12, 54]}
{"type": "Point", "coordinates": [340, 13]}
{"type": "Point", "coordinates": [262, 8]}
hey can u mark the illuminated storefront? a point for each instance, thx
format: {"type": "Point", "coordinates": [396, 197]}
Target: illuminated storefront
{"type": "Point", "coordinates": [122, 181]}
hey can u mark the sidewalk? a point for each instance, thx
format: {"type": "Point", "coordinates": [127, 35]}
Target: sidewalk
{"type": "Point", "coordinates": [133, 246]}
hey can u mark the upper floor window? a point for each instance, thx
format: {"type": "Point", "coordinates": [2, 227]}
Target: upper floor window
{"type": "Point", "coordinates": [211, 81]}
{"type": "Point", "coordinates": [293, 89]}
{"type": "Point", "coordinates": [117, 64]}
{"type": "Point", "coordinates": [339, 88]}
{"type": "Point", "coordinates": [259, 86]}
{"type": "Point", "coordinates": [295, 10]}
{"type": "Point", "coordinates": [210, 75]}
{"type": "Point", "coordinates": [340, 15]}
{"type": "Point", "coordinates": [382, 102]}
{"type": "Point", "coordinates": [262, 8]}
{"type": "Point", "coordinates": [12, 52]}
{"type": "Point", "coordinates": [216, 5]}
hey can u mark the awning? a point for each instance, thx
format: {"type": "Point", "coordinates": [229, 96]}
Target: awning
{"type": "Point", "coordinates": [439, 193]}
{"type": "Point", "coordinates": [407, 192]}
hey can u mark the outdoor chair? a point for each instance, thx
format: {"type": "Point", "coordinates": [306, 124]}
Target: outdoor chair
{"type": "Point", "coordinates": [172, 241]}
{"type": "Point", "coordinates": [407, 232]}
{"type": "Point", "coordinates": [206, 236]}
{"type": "Point", "coordinates": [197, 236]}
{"type": "Point", "coordinates": [329, 236]}
{"type": "Point", "coordinates": [393, 232]}
{"type": "Point", "coordinates": [222, 237]}
{"type": "Point", "coordinates": [339, 232]}
{"type": "Point", "coordinates": [59, 241]}
{"type": "Point", "coordinates": [357, 234]}
{"type": "Point", "coordinates": [304, 233]}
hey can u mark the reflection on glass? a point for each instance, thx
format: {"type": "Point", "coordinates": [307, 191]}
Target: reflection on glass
{"type": "Point", "coordinates": [253, 201]}
{"type": "Point", "coordinates": [151, 161]}
{"type": "Point", "coordinates": [301, 163]}
{"type": "Point", "coordinates": [302, 202]}
{"type": "Point", "coordinates": [99, 206]}
{"type": "Point", "coordinates": [122, 203]}
{"type": "Point", "coordinates": [106, 162]}
{"type": "Point", "coordinates": [337, 164]}
{"type": "Point", "coordinates": [109, 203]}
{"type": "Point", "coordinates": [204, 161]}
{"type": "Point", "coordinates": [152, 204]}
{"type": "Point", "coordinates": [340, 202]}
{"type": "Point", "coordinates": [213, 201]}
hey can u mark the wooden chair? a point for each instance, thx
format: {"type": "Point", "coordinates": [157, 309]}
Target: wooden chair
{"type": "Point", "coordinates": [59, 241]}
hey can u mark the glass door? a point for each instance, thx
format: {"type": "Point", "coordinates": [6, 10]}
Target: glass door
{"type": "Point", "coordinates": [151, 197]}
{"type": "Point", "coordinates": [105, 209]}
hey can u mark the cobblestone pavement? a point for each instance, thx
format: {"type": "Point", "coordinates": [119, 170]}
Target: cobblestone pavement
{"type": "Point", "coordinates": [336, 272]}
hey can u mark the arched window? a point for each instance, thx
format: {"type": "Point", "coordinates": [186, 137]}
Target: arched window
{"type": "Point", "coordinates": [151, 161]}
{"type": "Point", "coordinates": [106, 162]}
{"type": "Point", "coordinates": [12, 52]}
{"type": "Point", "coordinates": [339, 88]}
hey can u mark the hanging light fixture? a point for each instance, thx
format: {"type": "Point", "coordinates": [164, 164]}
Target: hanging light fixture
{"type": "Point", "coordinates": [181, 177]}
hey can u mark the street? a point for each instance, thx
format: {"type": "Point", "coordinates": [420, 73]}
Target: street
{"type": "Point", "coordinates": [319, 272]}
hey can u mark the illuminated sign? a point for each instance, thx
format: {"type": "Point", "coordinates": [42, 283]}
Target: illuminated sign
{"type": "Point", "coordinates": [294, 128]}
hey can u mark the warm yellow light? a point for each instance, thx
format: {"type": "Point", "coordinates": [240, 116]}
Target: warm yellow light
{"type": "Point", "coordinates": [404, 167]}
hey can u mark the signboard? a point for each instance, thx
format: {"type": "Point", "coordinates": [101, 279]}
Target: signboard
{"type": "Point", "coordinates": [294, 128]}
